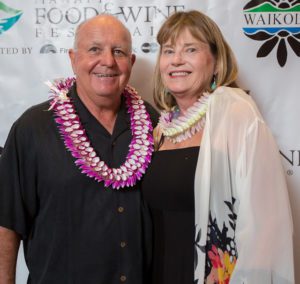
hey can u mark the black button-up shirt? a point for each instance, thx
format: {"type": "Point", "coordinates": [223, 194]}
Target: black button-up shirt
{"type": "Point", "coordinates": [74, 230]}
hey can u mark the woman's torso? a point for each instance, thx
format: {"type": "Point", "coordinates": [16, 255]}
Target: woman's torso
{"type": "Point", "coordinates": [168, 188]}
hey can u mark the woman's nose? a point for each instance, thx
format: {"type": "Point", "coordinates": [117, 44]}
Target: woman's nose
{"type": "Point", "coordinates": [177, 58]}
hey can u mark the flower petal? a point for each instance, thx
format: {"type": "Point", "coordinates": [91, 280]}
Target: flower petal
{"type": "Point", "coordinates": [294, 44]}
{"type": "Point", "coordinates": [267, 47]}
{"type": "Point", "coordinates": [259, 35]}
{"type": "Point", "coordinates": [282, 53]}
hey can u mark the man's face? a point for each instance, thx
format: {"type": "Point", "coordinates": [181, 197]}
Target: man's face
{"type": "Point", "coordinates": [102, 60]}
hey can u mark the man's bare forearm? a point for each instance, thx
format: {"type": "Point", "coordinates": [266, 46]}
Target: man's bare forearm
{"type": "Point", "coordinates": [9, 246]}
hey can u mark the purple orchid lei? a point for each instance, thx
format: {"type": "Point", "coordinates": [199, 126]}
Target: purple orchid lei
{"type": "Point", "coordinates": [77, 142]}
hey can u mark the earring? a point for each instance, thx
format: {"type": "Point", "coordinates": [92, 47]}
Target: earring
{"type": "Point", "coordinates": [213, 84]}
{"type": "Point", "coordinates": [167, 91]}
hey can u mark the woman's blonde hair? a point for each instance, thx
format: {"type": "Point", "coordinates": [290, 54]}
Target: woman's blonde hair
{"type": "Point", "coordinates": [206, 30]}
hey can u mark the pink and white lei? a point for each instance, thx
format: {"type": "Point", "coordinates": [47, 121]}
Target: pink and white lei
{"type": "Point", "coordinates": [77, 142]}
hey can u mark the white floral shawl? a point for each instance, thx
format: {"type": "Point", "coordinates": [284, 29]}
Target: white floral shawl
{"type": "Point", "coordinates": [242, 212]}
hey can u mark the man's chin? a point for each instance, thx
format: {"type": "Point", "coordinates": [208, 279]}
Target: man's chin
{"type": "Point", "coordinates": [108, 92]}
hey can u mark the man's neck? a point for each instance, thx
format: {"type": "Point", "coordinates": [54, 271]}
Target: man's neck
{"type": "Point", "coordinates": [105, 110]}
{"type": "Point", "coordinates": [107, 118]}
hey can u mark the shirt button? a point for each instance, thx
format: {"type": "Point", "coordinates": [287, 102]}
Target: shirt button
{"type": "Point", "coordinates": [123, 278]}
{"type": "Point", "coordinates": [123, 244]}
{"type": "Point", "coordinates": [120, 209]}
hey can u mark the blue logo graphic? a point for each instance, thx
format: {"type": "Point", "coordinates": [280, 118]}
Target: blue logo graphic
{"type": "Point", "coordinates": [9, 17]}
{"type": "Point", "coordinates": [276, 23]}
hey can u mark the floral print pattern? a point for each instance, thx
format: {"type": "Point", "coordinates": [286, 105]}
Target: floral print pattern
{"type": "Point", "coordinates": [220, 249]}
{"type": "Point", "coordinates": [222, 266]}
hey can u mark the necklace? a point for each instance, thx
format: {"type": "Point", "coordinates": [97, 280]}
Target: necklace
{"type": "Point", "coordinates": [178, 128]}
{"type": "Point", "coordinates": [77, 142]}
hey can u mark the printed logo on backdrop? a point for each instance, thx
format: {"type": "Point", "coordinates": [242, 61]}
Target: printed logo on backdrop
{"type": "Point", "coordinates": [276, 24]}
{"type": "Point", "coordinates": [149, 47]}
{"type": "Point", "coordinates": [292, 159]}
{"type": "Point", "coordinates": [8, 17]}
{"type": "Point", "coordinates": [56, 21]}
{"type": "Point", "coordinates": [48, 48]}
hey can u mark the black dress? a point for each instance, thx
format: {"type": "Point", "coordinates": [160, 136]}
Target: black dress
{"type": "Point", "coordinates": [168, 188]}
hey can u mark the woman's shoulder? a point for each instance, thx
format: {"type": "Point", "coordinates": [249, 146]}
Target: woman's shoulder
{"type": "Point", "coordinates": [230, 94]}
{"type": "Point", "coordinates": [234, 98]}
{"type": "Point", "coordinates": [234, 103]}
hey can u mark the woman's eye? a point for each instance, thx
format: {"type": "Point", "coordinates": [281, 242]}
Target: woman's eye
{"type": "Point", "coordinates": [167, 51]}
{"type": "Point", "coordinates": [191, 49]}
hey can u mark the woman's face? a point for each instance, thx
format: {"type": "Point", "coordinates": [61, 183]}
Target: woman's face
{"type": "Point", "coordinates": [187, 66]}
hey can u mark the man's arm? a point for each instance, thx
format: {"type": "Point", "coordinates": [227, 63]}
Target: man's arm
{"type": "Point", "coordinates": [9, 246]}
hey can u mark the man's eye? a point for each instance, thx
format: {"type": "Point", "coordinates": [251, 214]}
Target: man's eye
{"type": "Point", "coordinates": [94, 49]}
{"type": "Point", "coordinates": [119, 52]}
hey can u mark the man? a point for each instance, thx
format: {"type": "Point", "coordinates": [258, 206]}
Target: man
{"type": "Point", "coordinates": [60, 171]}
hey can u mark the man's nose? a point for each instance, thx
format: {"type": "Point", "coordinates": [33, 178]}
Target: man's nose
{"type": "Point", "coordinates": [107, 58]}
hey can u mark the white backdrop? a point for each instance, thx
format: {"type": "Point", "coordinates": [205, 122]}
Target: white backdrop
{"type": "Point", "coordinates": [35, 36]}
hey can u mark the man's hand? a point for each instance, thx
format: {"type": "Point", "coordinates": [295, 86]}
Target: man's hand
{"type": "Point", "coordinates": [9, 246]}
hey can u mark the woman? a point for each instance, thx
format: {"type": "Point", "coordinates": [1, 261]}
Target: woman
{"type": "Point", "coordinates": [216, 187]}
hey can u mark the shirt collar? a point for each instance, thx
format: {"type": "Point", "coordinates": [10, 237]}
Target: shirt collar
{"type": "Point", "coordinates": [88, 120]}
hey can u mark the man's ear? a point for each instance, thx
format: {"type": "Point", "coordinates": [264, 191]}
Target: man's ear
{"type": "Point", "coordinates": [133, 57]}
{"type": "Point", "coordinates": [72, 59]}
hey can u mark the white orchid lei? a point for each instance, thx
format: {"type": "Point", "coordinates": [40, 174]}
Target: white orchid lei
{"type": "Point", "coordinates": [178, 128]}
{"type": "Point", "coordinates": [77, 142]}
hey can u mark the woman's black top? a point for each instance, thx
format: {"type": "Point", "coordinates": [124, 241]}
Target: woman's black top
{"type": "Point", "coordinates": [168, 188]}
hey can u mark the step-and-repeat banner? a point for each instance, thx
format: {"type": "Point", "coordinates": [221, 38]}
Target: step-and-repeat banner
{"type": "Point", "coordinates": [35, 36]}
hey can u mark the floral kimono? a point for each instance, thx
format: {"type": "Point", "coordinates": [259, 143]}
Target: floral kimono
{"type": "Point", "coordinates": [243, 218]}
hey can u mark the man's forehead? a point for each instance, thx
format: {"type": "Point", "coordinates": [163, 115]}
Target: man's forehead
{"type": "Point", "coordinates": [102, 28]}
{"type": "Point", "coordinates": [104, 22]}
{"type": "Point", "coordinates": [105, 28]}
{"type": "Point", "coordinates": [100, 38]}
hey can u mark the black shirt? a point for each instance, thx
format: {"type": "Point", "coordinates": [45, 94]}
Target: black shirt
{"type": "Point", "coordinates": [74, 230]}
